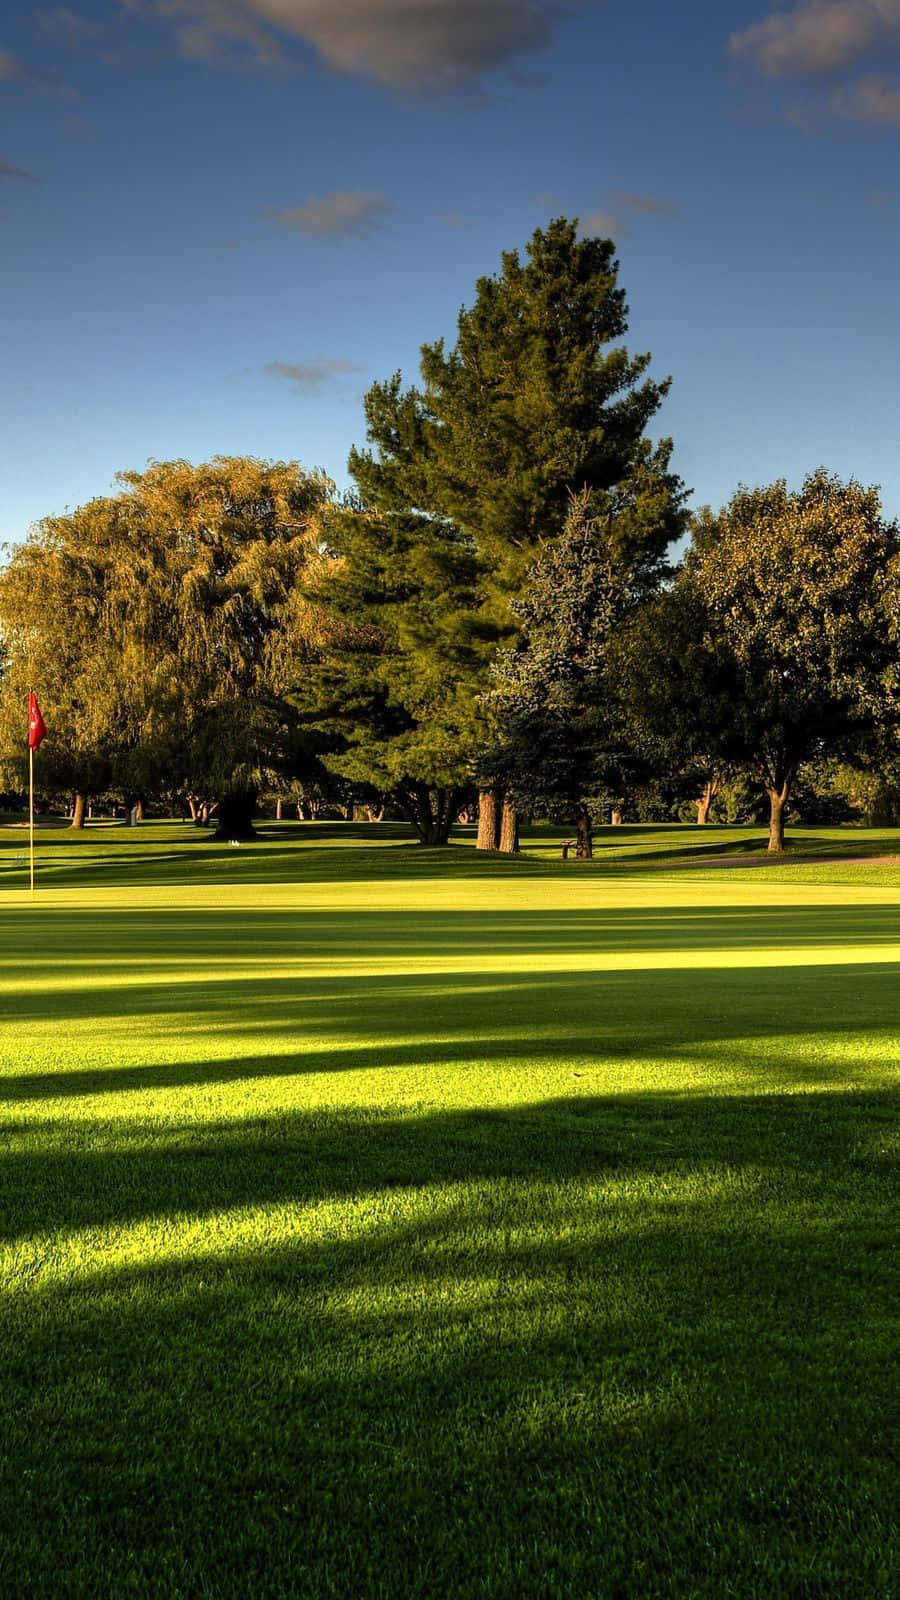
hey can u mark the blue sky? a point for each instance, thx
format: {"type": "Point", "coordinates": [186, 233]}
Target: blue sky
{"type": "Point", "coordinates": [220, 220]}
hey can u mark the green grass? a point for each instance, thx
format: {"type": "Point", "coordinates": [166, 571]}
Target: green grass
{"type": "Point", "coordinates": [379, 1222]}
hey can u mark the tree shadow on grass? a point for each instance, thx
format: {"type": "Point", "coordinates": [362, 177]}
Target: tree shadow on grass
{"type": "Point", "coordinates": [637, 1346]}
{"type": "Point", "coordinates": [81, 1173]}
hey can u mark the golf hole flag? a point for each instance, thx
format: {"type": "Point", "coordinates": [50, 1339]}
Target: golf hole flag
{"type": "Point", "coordinates": [37, 727]}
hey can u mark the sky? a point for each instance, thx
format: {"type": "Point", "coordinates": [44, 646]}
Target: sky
{"type": "Point", "coordinates": [221, 220]}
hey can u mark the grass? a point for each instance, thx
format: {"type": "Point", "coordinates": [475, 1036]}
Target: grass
{"type": "Point", "coordinates": [379, 1222]}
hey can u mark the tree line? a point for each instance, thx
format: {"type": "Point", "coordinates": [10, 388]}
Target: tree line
{"type": "Point", "coordinates": [513, 610]}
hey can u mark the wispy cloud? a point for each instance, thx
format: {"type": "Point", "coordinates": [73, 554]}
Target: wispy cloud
{"type": "Point", "coordinates": [601, 224]}
{"type": "Point", "coordinates": [12, 70]}
{"type": "Point", "coordinates": [68, 28]}
{"type": "Point", "coordinates": [826, 40]}
{"type": "Point", "coordinates": [869, 100]}
{"type": "Point", "coordinates": [642, 205]}
{"type": "Point", "coordinates": [345, 212]}
{"type": "Point", "coordinates": [819, 36]}
{"type": "Point", "coordinates": [405, 44]}
{"type": "Point", "coordinates": [9, 172]}
{"type": "Point", "coordinates": [622, 207]}
{"type": "Point", "coordinates": [308, 377]}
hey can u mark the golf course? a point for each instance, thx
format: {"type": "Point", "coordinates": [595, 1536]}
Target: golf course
{"type": "Point", "coordinates": [380, 1221]}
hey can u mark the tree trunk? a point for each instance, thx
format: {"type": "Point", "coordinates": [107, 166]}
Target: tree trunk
{"type": "Point", "coordinates": [432, 813]}
{"type": "Point", "coordinates": [236, 810]}
{"type": "Point", "coordinates": [705, 800]}
{"type": "Point", "coordinates": [78, 809]}
{"type": "Point", "coordinates": [489, 818]}
{"type": "Point", "coordinates": [777, 805]}
{"type": "Point", "coordinates": [374, 813]}
{"type": "Point", "coordinates": [509, 827]}
{"type": "Point", "coordinates": [278, 806]}
{"type": "Point", "coordinates": [584, 850]}
{"type": "Point", "coordinates": [615, 818]}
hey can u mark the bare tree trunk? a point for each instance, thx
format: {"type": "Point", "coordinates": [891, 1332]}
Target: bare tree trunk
{"type": "Point", "coordinates": [704, 802]}
{"type": "Point", "coordinates": [78, 809]}
{"type": "Point", "coordinates": [509, 827]}
{"type": "Point", "coordinates": [139, 810]}
{"type": "Point", "coordinates": [584, 849]}
{"type": "Point", "coordinates": [489, 817]}
{"type": "Point", "coordinates": [616, 817]}
{"type": "Point", "coordinates": [777, 804]}
{"type": "Point", "coordinates": [374, 813]}
{"type": "Point", "coordinates": [278, 810]}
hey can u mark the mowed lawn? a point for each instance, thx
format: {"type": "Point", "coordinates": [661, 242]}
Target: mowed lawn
{"type": "Point", "coordinates": [379, 1222]}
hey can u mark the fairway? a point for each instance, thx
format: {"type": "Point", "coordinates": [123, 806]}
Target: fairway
{"type": "Point", "coordinates": [382, 1222]}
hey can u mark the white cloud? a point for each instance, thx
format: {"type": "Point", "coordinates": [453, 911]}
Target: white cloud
{"type": "Point", "coordinates": [330, 216]}
{"type": "Point", "coordinates": [818, 36]}
{"type": "Point", "coordinates": [406, 44]}
{"type": "Point", "coordinates": [869, 100]}
{"type": "Point", "coordinates": [827, 39]}
{"type": "Point", "coordinates": [308, 377]}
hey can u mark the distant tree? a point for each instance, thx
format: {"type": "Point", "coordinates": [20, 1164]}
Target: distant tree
{"type": "Point", "coordinates": [567, 738]}
{"type": "Point", "coordinates": [190, 628]}
{"type": "Point", "coordinates": [537, 400]}
{"type": "Point", "coordinates": [54, 625]}
{"type": "Point", "coordinates": [777, 646]}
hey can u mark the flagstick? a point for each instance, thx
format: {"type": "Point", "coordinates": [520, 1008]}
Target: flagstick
{"type": "Point", "coordinates": [31, 814]}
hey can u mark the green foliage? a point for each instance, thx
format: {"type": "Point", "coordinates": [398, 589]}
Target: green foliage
{"type": "Point", "coordinates": [567, 740]}
{"type": "Point", "coordinates": [797, 590]}
{"type": "Point", "coordinates": [396, 690]}
{"type": "Point", "coordinates": [774, 647]}
{"type": "Point", "coordinates": [163, 627]}
{"type": "Point", "coordinates": [536, 400]}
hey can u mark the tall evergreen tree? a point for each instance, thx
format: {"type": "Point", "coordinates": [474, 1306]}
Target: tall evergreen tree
{"type": "Point", "coordinates": [537, 400]}
{"type": "Point", "coordinates": [396, 689]}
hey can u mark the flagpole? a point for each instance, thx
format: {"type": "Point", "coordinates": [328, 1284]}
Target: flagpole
{"type": "Point", "coordinates": [31, 815]}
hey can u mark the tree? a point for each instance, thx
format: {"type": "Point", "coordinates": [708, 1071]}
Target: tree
{"type": "Point", "coordinates": [536, 401]}
{"type": "Point", "coordinates": [567, 739]}
{"type": "Point", "coordinates": [790, 603]}
{"type": "Point", "coordinates": [190, 629]}
{"type": "Point", "coordinates": [53, 616]}
{"type": "Point", "coordinates": [396, 691]}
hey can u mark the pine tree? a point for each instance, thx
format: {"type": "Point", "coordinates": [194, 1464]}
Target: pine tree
{"type": "Point", "coordinates": [537, 400]}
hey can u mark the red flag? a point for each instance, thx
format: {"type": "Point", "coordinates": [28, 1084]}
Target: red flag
{"type": "Point", "coordinates": [36, 724]}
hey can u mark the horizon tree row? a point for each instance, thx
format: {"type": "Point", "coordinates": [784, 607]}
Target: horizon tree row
{"type": "Point", "coordinates": [494, 612]}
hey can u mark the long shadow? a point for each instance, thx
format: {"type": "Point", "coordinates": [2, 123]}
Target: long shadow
{"type": "Point", "coordinates": [59, 936]}
{"type": "Point", "coordinates": [64, 1175]}
{"type": "Point", "coordinates": [637, 1348]}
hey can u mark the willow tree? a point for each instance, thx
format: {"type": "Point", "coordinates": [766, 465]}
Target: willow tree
{"type": "Point", "coordinates": [54, 621]}
{"type": "Point", "coordinates": [538, 399]}
{"type": "Point", "coordinates": [191, 628]}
